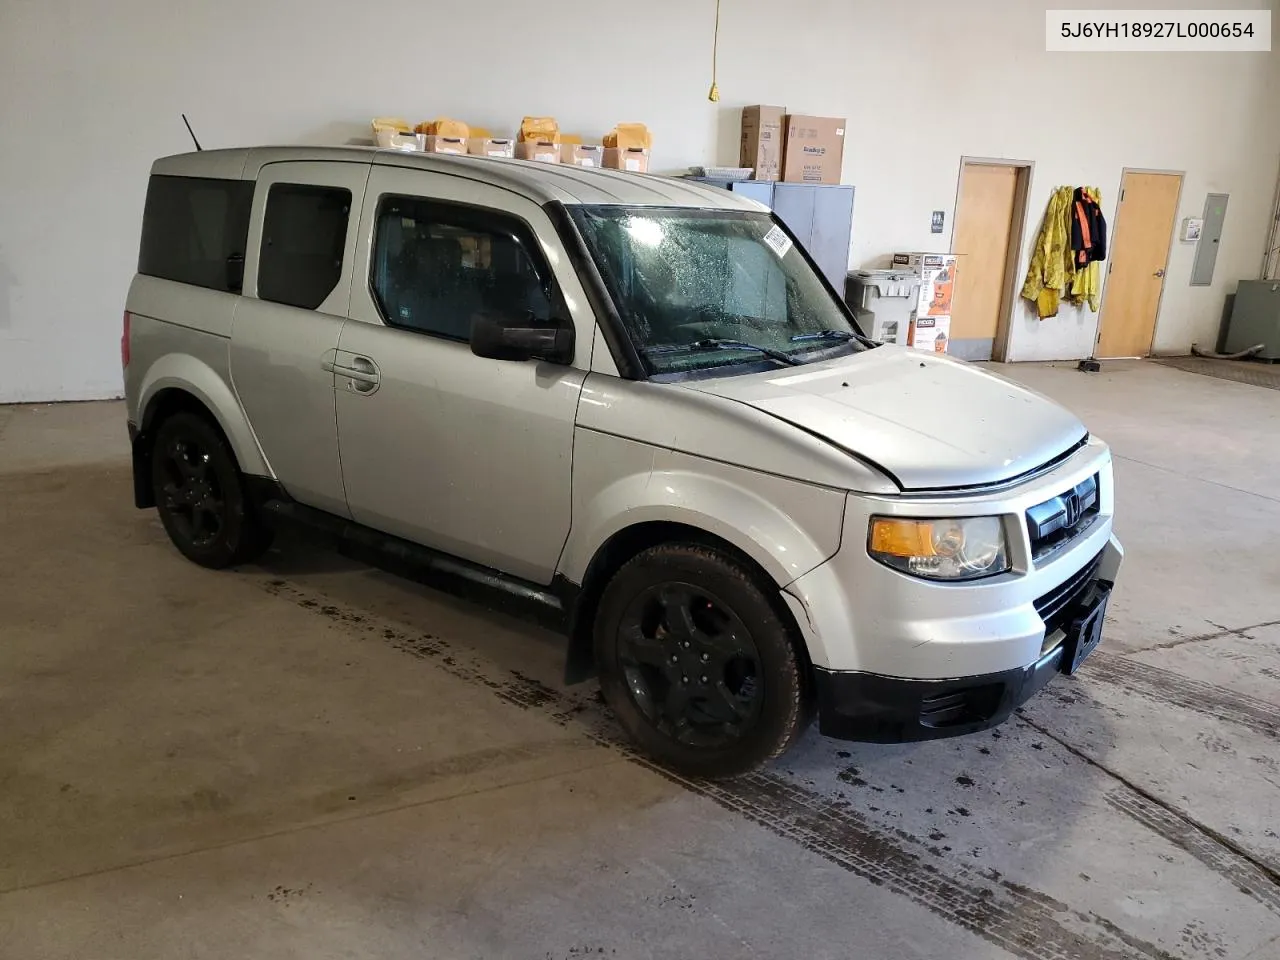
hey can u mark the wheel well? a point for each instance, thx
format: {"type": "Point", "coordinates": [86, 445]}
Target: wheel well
{"type": "Point", "coordinates": [162, 406]}
{"type": "Point", "coordinates": [624, 545]}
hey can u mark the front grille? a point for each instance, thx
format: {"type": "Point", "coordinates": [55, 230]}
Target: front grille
{"type": "Point", "coordinates": [1061, 519]}
{"type": "Point", "coordinates": [1055, 606]}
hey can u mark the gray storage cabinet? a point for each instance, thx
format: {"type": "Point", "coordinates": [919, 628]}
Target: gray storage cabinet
{"type": "Point", "coordinates": [819, 214]}
{"type": "Point", "coordinates": [1255, 318]}
{"type": "Point", "coordinates": [821, 217]}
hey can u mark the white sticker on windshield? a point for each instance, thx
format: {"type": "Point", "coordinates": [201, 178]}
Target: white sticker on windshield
{"type": "Point", "coordinates": [778, 240]}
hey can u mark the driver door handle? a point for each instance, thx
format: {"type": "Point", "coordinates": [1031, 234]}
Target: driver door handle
{"type": "Point", "coordinates": [360, 372]}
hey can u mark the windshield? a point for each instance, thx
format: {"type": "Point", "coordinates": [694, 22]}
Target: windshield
{"type": "Point", "coordinates": [712, 289]}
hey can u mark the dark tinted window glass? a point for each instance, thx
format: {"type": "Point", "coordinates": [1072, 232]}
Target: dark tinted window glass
{"type": "Point", "coordinates": [304, 233]}
{"type": "Point", "coordinates": [437, 266]}
{"type": "Point", "coordinates": [194, 231]}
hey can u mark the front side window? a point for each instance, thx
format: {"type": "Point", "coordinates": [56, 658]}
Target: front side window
{"type": "Point", "coordinates": [438, 265]}
{"type": "Point", "coordinates": [711, 290]}
{"type": "Point", "coordinates": [194, 231]}
{"type": "Point", "coordinates": [304, 234]}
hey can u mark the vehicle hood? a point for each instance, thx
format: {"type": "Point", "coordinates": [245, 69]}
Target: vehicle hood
{"type": "Point", "coordinates": [928, 421]}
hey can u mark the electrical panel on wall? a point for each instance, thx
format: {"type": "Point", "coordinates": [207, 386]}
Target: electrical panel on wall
{"type": "Point", "coordinates": [1215, 212]}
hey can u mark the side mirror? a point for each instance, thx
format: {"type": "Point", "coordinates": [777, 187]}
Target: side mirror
{"type": "Point", "coordinates": [506, 338]}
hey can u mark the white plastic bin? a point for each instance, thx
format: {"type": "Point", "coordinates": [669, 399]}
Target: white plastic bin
{"type": "Point", "coordinates": [888, 297]}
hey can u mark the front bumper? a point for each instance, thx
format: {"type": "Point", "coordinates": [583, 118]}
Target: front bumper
{"type": "Point", "coordinates": [877, 709]}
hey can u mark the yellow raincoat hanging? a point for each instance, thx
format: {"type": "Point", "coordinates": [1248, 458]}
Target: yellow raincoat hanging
{"type": "Point", "coordinates": [1053, 275]}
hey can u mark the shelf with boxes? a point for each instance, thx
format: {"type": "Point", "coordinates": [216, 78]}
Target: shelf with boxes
{"type": "Point", "coordinates": [625, 147]}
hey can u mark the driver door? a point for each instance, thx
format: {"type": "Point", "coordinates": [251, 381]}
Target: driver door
{"type": "Point", "coordinates": [467, 455]}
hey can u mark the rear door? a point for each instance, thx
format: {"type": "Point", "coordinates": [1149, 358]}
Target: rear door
{"type": "Point", "coordinates": [284, 340]}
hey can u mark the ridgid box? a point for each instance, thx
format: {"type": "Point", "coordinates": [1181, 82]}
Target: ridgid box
{"type": "Point", "coordinates": [937, 273]}
{"type": "Point", "coordinates": [814, 149]}
{"type": "Point", "coordinates": [761, 145]}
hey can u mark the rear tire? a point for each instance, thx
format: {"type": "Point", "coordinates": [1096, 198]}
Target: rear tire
{"type": "Point", "coordinates": [697, 663]}
{"type": "Point", "coordinates": [200, 495]}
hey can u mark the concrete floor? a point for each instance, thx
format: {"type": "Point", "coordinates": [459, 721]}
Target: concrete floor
{"type": "Point", "coordinates": [312, 759]}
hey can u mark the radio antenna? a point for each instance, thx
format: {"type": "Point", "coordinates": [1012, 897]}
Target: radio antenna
{"type": "Point", "coordinates": [192, 132]}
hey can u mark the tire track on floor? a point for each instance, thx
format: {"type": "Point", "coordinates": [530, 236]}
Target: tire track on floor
{"type": "Point", "coordinates": [1247, 876]}
{"type": "Point", "coordinates": [1165, 686]}
{"type": "Point", "coordinates": [1024, 922]}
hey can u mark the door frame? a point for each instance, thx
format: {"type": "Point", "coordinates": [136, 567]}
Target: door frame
{"type": "Point", "coordinates": [1111, 246]}
{"type": "Point", "coordinates": [1024, 175]}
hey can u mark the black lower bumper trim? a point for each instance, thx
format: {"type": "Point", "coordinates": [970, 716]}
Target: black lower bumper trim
{"type": "Point", "coordinates": [878, 709]}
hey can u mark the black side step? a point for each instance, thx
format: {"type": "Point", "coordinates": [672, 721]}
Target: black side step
{"type": "Point", "coordinates": [486, 586]}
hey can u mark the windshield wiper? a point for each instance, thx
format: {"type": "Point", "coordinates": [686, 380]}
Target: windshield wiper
{"type": "Point", "coordinates": [715, 343]}
{"type": "Point", "coordinates": [844, 336]}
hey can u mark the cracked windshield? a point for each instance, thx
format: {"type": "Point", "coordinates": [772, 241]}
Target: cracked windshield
{"type": "Point", "coordinates": [713, 290]}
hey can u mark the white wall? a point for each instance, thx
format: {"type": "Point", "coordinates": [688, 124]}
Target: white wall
{"type": "Point", "coordinates": [90, 93]}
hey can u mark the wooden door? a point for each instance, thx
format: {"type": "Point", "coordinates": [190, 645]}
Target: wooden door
{"type": "Point", "coordinates": [984, 228]}
{"type": "Point", "coordinates": [1138, 256]}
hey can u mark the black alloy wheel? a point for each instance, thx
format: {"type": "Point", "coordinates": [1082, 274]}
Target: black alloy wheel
{"type": "Point", "coordinates": [191, 494]}
{"type": "Point", "coordinates": [699, 660]}
{"type": "Point", "coordinates": [201, 496]}
{"type": "Point", "coordinates": [690, 664]}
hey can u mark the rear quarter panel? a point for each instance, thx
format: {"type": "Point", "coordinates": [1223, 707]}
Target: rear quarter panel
{"type": "Point", "coordinates": [179, 339]}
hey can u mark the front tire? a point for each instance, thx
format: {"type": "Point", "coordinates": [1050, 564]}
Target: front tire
{"type": "Point", "coordinates": [697, 663]}
{"type": "Point", "coordinates": [201, 497]}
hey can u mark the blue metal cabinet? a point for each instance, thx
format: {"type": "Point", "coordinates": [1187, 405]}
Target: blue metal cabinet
{"type": "Point", "coordinates": [821, 217]}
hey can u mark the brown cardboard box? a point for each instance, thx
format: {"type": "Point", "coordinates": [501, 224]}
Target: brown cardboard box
{"type": "Point", "coordinates": [444, 127]}
{"type": "Point", "coordinates": [629, 136]}
{"type": "Point", "coordinates": [762, 141]}
{"type": "Point", "coordinates": [436, 144]}
{"type": "Point", "coordinates": [632, 159]}
{"type": "Point", "coordinates": [582, 154]}
{"type": "Point", "coordinates": [814, 149]}
{"type": "Point", "coordinates": [539, 128]}
{"type": "Point", "coordinates": [491, 147]}
{"type": "Point", "coordinates": [541, 150]}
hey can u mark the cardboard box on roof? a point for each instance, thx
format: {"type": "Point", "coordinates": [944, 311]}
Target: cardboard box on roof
{"type": "Point", "coordinates": [543, 129]}
{"type": "Point", "coordinates": [444, 127]}
{"type": "Point", "coordinates": [442, 144]}
{"type": "Point", "coordinates": [761, 144]}
{"type": "Point", "coordinates": [633, 159]}
{"type": "Point", "coordinates": [491, 147]}
{"type": "Point", "coordinates": [544, 151]}
{"type": "Point", "coordinates": [813, 149]}
{"type": "Point", "coordinates": [629, 136]}
{"type": "Point", "coordinates": [391, 123]}
{"type": "Point", "coordinates": [582, 154]}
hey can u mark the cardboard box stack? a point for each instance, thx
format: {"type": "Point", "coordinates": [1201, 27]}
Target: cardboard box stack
{"type": "Point", "coordinates": [392, 133]}
{"type": "Point", "coordinates": [813, 149]}
{"type": "Point", "coordinates": [626, 147]}
{"type": "Point", "coordinates": [539, 139]}
{"type": "Point", "coordinates": [582, 154]}
{"type": "Point", "coordinates": [487, 146]}
{"type": "Point", "coordinates": [931, 320]}
{"type": "Point", "coordinates": [761, 144]}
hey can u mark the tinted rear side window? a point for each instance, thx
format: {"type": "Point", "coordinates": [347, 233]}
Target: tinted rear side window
{"type": "Point", "coordinates": [304, 233]}
{"type": "Point", "coordinates": [194, 231]}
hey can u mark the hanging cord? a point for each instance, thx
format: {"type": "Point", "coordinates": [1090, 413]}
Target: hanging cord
{"type": "Point", "coordinates": [714, 94]}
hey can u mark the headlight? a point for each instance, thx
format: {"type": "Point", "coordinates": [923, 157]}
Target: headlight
{"type": "Point", "coordinates": [953, 548]}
